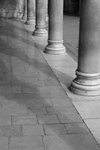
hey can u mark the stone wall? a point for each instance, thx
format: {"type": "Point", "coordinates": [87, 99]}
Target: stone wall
{"type": "Point", "coordinates": [11, 8]}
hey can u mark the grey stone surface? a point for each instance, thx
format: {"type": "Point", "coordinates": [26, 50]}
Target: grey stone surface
{"type": "Point", "coordinates": [55, 129]}
{"type": "Point", "coordinates": [10, 131]}
{"type": "Point", "coordinates": [27, 116]}
{"type": "Point", "coordinates": [93, 125]}
{"type": "Point", "coordinates": [70, 142]}
{"type": "Point", "coordinates": [47, 119]}
{"type": "Point", "coordinates": [25, 119]}
{"type": "Point", "coordinates": [24, 143]}
{"type": "Point", "coordinates": [30, 130]}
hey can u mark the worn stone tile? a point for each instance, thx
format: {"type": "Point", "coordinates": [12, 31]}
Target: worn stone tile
{"type": "Point", "coordinates": [52, 83]}
{"type": "Point", "coordinates": [61, 102]}
{"type": "Point", "coordinates": [9, 89]}
{"type": "Point", "coordinates": [47, 119]}
{"type": "Point", "coordinates": [30, 130]}
{"type": "Point", "coordinates": [13, 110]}
{"type": "Point", "coordinates": [55, 129]}
{"type": "Point", "coordinates": [88, 109]}
{"type": "Point", "coordinates": [15, 83]}
{"type": "Point", "coordinates": [70, 70]}
{"type": "Point", "coordinates": [42, 102]}
{"type": "Point", "coordinates": [76, 128]}
{"type": "Point", "coordinates": [10, 130]}
{"type": "Point", "coordinates": [70, 142]}
{"type": "Point", "coordinates": [51, 89]}
{"type": "Point", "coordinates": [26, 143]}
{"type": "Point", "coordinates": [62, 63]}
{"type": "Point", "coordinates": [47, 77]}
{"type": "Point", "coordinates": [8, 97]}
{"type": "Point", "coordinates": [3, 143]}
{"type": "Point", "coordinates": [10, 104]}
{"type": "Point", "coordinates": [5, 120]}
{"type": "Point", "coordinates": [69, 118]}
{"type": "Point", "coordinates": [25, 119]}
{"type": "Point", "coordinates": [42, 96]}
{"type": "Point", "coordinates": [29, 79]}
{"type": "Point", "coordinates": [24, 96]}
{"type": "Point", "coordinates": [58, 95]}
{"type": "Point", "coordinates": [57, 57]}
{"type": "Point", "coordinates": [29, 89]}
{"type": "Point", "coordinates": [36, 110]}
{"type": "Point", "coordinates": [94, 125]}
{"type": "Point", "coordinates": [61, 109]}
{"type": "Point", "coordinates": [27, 102]}
{"type": "Point", "coordinates": [4, 83]}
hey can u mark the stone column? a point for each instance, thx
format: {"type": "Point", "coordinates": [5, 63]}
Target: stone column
{"type": "Point", "coordinates": [55, 39]}
{"type": "Point", "coordinates": [25, 10]}
{"type": "Point", "coordinates": [30, 12]}
{"type": "Point", "coordinates": [40, 18]}
{"type": "Point", "coordinates": [87, 81]}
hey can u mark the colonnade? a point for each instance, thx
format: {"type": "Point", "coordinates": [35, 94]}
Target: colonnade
{"type": "Point", "coordinates": [87, 81]}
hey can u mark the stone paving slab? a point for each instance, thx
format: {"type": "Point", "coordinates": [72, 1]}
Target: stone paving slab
{"type": "Point", "coordinates": [25, 119]}
{"type": "Point", "coordinates": [10, 131]}
{"type": "Point", "coordinates": [48, 119]}
{"type": "Point", "coordinates": [55, 129]}
{"type": "Point", "coordinates": [94, 125]}
{"type": "Point", "coordinates": [3, 143]}
{"type": "Point", "coordinates": [76, 128]}
{"type": "Point", "coordinates": [89, 109]}
{"type": "Point", "coordinates": [26, 143]}
{"type": "Point", "coordinates": [5, 120]}
{"type": "Point", "coordinates": [31, 130]}
{"type": "Point", "coordinates": [35, 111]}
{"type": "Point", "coordinates": [70, 142]}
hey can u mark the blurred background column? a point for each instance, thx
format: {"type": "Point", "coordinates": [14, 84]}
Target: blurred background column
{"type": "Point", "coordinates": [55, 39]}
{"type": "Point", "coordinates": [30, 12]}
{"type": "Point", "coordinates": [40, 27]}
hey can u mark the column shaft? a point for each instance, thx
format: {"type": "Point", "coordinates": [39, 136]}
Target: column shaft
{"type": "Point", "coordinates": [30, 12]}
{"type": "Point", "coordinates": [55, 39]}
{"type": "Point", "coordinates": [25, 10]}
{"type": "Point", "coordinates": [40, 18]}
{"type": "Point", "coordinates": [87, 81]}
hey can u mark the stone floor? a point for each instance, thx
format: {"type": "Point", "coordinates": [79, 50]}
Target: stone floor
{"type": "Point", "coordinates": [37, 110]}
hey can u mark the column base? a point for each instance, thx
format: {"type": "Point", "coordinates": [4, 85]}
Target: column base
{"type": "Point", "coordinates": [30, 21]}
{"type": "Point", "coordinates": [55, 47]}
{"type": "Point", "coordinates": [40, 32]}
{"type": "Point", "coordinates": [86, 84]}
{"type": "Point", "coordinates": [24, 17]}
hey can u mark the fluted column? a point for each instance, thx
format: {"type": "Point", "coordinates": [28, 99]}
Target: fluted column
{"type": "Point", "coordinates": [87, 81]}
{"type": "Point", "coordinates": [25, 10]}
{"type": "Point", "coordinates": [55, 39]}
{"type": "Point", "coordinates": [40, 27]}
{"type": "Point", "coordinates": [30, 12]}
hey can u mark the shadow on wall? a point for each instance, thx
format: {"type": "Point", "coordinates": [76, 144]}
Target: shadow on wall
{"type": "Point", "coordinates": [11, 8]}
{"type": "Point", "coordinates": [71, 7]}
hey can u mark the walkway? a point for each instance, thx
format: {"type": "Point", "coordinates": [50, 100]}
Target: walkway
{"type": "Point", "coordinates": [37, 111]}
